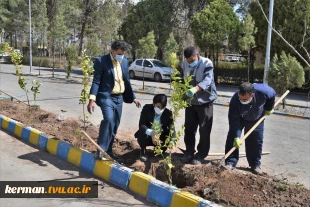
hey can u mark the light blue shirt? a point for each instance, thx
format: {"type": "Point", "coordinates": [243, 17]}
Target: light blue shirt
{"type": "Point", "coordinates": [156, 118]}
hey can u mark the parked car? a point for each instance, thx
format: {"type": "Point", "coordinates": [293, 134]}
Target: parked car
{"type": "Point", "coordinates": [232, 58]}
{"type": "Point", "coordinates": [154, 69]}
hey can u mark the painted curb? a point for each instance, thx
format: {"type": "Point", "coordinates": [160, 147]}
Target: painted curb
{"type": "Point", "coordinates": [139, 183]}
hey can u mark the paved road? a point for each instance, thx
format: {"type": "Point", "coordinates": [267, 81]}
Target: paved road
{"type": "Point", "coordinates": [19, 161]}
{"type": "Point", "coordinates": [286, 138]}
{"type": "Point", "coordinates": [299, 99]}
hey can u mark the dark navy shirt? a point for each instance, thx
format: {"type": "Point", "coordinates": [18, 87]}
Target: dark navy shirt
{"type": "Point", "coordinates": [264, 99]}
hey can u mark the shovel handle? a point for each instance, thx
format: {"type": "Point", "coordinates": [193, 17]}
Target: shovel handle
{"type": "Point", "coordinates": [252, 129]}
{"type": "Point", "coordinates": [97, 146]}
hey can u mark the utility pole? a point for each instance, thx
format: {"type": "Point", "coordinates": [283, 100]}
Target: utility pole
{"type": "Point", "coordinates": [30, 38]}
{"type": "Point", "coordinates": [267, 60]}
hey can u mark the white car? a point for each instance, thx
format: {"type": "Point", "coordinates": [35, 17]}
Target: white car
{"type": "Point", "coordinates": [151, 68]}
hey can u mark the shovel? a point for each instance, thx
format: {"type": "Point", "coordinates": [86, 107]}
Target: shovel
{"type": "Point", "coordinates": [221, 154]}
{"type": "Point", "coordinates": [250, 131]}
{"type": "Point", "coordinates": [98, 147]}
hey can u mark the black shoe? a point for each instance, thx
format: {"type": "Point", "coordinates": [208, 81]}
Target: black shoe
{"type": "Point", "coordinates": [113, 156]}
{"type": "Point", "coordinates": [187, 158]}
{"type": "Point", "coordinates": [256, 170]}
{"type": "Point", "coordinates": [229, 167]}
{"type": "Point", "coordinates": [143, 155]}
{"type": "Point", "coordinates": [98, 155]}
{"type": "Point", "coordinates": [197, 160]}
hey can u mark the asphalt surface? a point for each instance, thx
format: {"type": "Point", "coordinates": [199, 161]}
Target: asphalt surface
{"type": "Point", "coordinates": [286, 138]}
{"type": "Point", "coordinates": [22, 162]}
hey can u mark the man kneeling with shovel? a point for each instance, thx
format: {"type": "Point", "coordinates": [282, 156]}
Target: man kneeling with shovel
{"type": "Point", "coordinates": [248, 105]}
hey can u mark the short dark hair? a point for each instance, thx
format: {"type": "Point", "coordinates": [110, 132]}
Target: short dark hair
{"type": "Point", "coordinates": [246, 88]}
{"type": "Point", "coordinates": [190, 51]}
{"type": "Point", "coordinates": [160, 98]}
{"type": "Point", "coordinates": [120, 44]}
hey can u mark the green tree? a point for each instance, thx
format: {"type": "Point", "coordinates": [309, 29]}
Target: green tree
{"type": "Point", "coordinates": [57, 34]}
{"type": "Point", "coordinates": [87, 70]}
{"type": "Point", "coordinates": [14, 19]}
{"type": "Point", "coordinates": [157, 15]}
{"type": "Point", "coordinates": [89, 6]}
{"type": "Point", "coordinates": [22, 81]}
{"type": "Point", "coordinates": [290, 18]}
{"type": "Point", "coordinates": [107, 21]}
{"type": "Point", "coordinates": [177, 104]}
{"type": "Point", "coordinates": [171, 46]}
{"type": "Point", "coordinates": [147, 46]}
{"type": "Point", "coordinates": [71, 56]}
{"type": "Point", "coordinates": [93, 48]}
{"type": "Point", "coordinates": [285, 73]}
{"type": "Point", "coordinates": [247, 41]}
{"type": "Point", "coordinates": [212, 26]}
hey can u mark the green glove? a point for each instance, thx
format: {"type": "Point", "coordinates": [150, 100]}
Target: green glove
{"type": "Point", "coordinates": [267, 113]}
{"type": "Point", "coordinates": [190, 93]}
{"type": "Point", "coordinates": [237, 142]}
{"type": "Point", "coordinates": [193, 90]}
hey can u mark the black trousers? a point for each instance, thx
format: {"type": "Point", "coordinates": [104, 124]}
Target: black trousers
{"type": "Point", "coordinates": [144, 140]}
{"type": "Point", "coordinates": [202, 116]}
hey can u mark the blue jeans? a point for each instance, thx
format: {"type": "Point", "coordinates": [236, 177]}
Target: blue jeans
{"type": "Point", "coordinates": [112, 112]}
{"type": "Point", "coordinates": [253, 144]}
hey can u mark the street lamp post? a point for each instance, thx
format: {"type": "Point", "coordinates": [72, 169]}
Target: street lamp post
{"type": "Point", "coordinates": [267, 60]}
{"type": "Point", "coordinates": [30, 38]}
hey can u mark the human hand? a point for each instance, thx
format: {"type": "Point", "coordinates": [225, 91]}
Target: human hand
{"type": "Point", "coordinates": [155, 139]}
{"type": "Point", "coordinates": [237, 142]}
{"type": "Point", "coordinates": [190, 93]}
{"type": "Point", "coordinates": [91, 106]}
{"type": "Point", "coordinates": [138, 104]}
{"type": "Point", "coordinates": [267, 113]}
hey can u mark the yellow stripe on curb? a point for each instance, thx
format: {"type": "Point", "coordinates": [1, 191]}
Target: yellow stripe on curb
{"type": "Point", "coordinates": [18, 130]}
{"type": "Point", "coordinates": [5, 123]}
{"type": "Point", "coordinates": [74, 155]}
{"type": "Point", "coordinates": [34, 136]}
{"type": "Point", "coordinates": [103, 169]}
{"type": "Point", "coordinates": [139, 183]}
{"type": "Point", "coordinates": [185, 199]}
{"type": "Point", "coordinates": [52, 145]}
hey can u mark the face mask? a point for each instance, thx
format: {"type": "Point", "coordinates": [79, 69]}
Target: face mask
{"type": "Point", "coordinates": [246, 102]}
{"type": "Point", "coordinates": [119, 57]}
{"type": "Point", "coordinates": [193, 64]}
{"type": "Point", "coordinates": [158, 111]}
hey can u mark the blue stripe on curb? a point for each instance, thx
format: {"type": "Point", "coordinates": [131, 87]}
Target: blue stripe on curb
{"type": "Point", "coordinates": [42, 141]}
{"type": "Point", "coordinates": [26, 133]}
{"type": "Point", "coordinates": [12, 124]}
{"type": "Point", "coordinates": [160, 193]}
{"type": "Point", "coordinates": [88, 162]}
{"type": "Point", "coordinates": [120, 175]}
{"type": "Point", "coordinates": [63, 150]}
{"type": "Point", "coordinates": [1, 118]}
{"type": "Point", "coordinates": [206, 203]}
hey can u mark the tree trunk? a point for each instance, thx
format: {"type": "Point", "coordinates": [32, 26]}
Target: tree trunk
{"type": "Point", "coordinates": [53, 49]}
{"type": "Point", "coordinates": [15, 39]}
{"type": "Point", "coordinates": [11, 38]}
{"type": "Point", "coordinates": [87, 12]}
{"type": "Point", "coordinates": [252, 60]}
{"type": "Point", "coordinates": [249, 62]}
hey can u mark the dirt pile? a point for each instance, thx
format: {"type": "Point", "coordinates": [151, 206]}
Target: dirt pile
{"type": "Point", "coordinates": [228, 188]}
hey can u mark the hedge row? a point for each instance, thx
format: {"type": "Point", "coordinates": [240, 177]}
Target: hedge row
{"type": "Point", "coordinates": [45, 62]}
{"type": "Point", "coordinates": [236, 76]}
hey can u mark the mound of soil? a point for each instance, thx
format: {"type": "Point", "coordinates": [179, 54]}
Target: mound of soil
{"type": "Point", "coordinates": [228, 188]}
